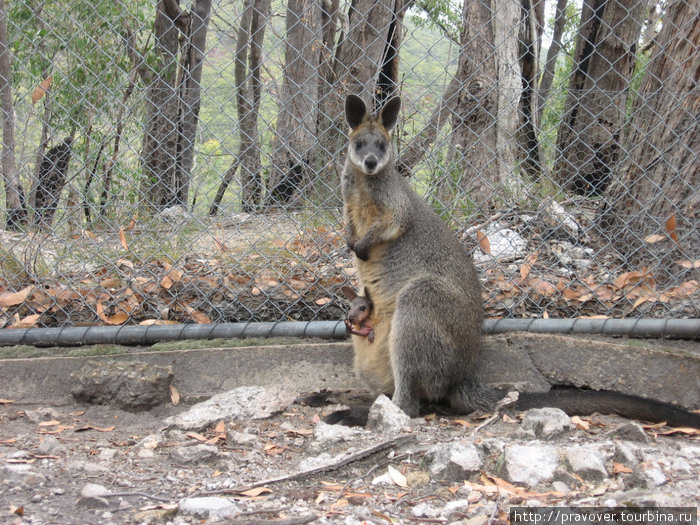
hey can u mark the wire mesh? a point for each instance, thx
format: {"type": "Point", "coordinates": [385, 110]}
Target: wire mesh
{"type": "Point", "coordinates": [179, 162]}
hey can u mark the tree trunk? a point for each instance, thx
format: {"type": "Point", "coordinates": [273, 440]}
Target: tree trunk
{"type": "Point", "coordinates": [46, 193]}
{"type": "Point", "coordinates": [295, 136]}
{"type": "Point", "coordinates": [530, 37]}
{"type": "Point", "coordinates": [159, 151]}
{"type": "Point", "coordinates": [388, 81]}
{"type": "Point", "coordinates": [14, 195]}
{"type": "Point", "coordinates": [658, 178]}
{"type": "Point", "coordinates": [195, 35]}
{"type": "Point", "coordinates": [247, 64]}
{"type": "Point", "coordinates": [485, 119]}
{"type": "Point", "coordinates": [588, 137]}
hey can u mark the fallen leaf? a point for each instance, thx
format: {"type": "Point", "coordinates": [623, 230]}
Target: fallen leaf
{"type": "Point", "coordinates": [528, 265]}
{"type": "Point", "coordinates": [257, 491]}
{"type": "Point", "coordinates": [15, 298]}
{"type": "Point", "coordinates": [122, 239]}
{"type": "Point", "coordinates": [619, 468]}
{"type": "Point", "coordinates": [397, 477]}
{"type": "Point", "coordinates": [671, 227]}
{"type": "Point", "coordinates": [51, 423]}
{"type": "Point", "coordinates": [651, 239]}
{"type": "Point", "coordinates": [220, 427]}
{"type": "Point", "coordinates": [174, 396]}
{"type": "Point", "coordinates": [581, 424]}
{"type": "Point", "coordinates": [41, 90]}
{"type": "Point", "coordinates": [26, 322]}
{"type": "Point", "coordinates": [681, 430]}
{"type": "Point", "coordinates": [323, 301]}
{"type": "Point", "coordinates": [484, 243]}
{"type": "Point", "coordinates": [149, 322]}
{"type": "Point", "coordinates": [6, 401]}
{"type": "Point", "coordinates": [131, 225]}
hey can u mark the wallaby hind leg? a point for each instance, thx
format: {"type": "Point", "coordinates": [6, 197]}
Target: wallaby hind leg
{"type": "Point", "coordinates": [423, 357]}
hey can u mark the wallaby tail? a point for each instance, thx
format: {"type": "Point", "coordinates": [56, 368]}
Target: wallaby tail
{"type": "Point", "coordinates": [585, 402]}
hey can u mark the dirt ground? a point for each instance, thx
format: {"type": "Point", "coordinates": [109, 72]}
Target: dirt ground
{"type": "Point", "coordinates": [81, 464]}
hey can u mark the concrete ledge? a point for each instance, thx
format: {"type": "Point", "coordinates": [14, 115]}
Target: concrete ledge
{"type": "Point", "coordinates": [528, 361]}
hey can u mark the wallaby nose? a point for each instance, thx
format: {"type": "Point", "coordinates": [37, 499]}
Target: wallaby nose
{"type": "Point", "coordinates": [371, 163]}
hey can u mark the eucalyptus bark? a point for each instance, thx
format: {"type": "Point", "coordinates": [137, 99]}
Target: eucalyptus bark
{"type": "Point", "coordinates": [594, 114]}
{"type": "Point", "coordinates": [295, 136]}
{"type": "Point", "coordinates": [14, 195]}
{"type": "Point", "coordinates": [656, 183]}
{"type": "Point", "coordinates": [159, 150]}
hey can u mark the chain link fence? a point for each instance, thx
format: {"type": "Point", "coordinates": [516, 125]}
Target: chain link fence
{"type": "Point", "coordinates": [179, 162]}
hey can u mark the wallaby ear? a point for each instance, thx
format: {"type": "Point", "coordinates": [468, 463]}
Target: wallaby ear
{"type": "Point", "coordinates": [355, 111]}
{"type": "Point", "coordinates": [389, 114]}
{"type": "Point", "coordinates": [349, 293]}
{"type": "Point", "coordinates": [367, 294]}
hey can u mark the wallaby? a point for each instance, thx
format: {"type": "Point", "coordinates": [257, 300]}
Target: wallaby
{"type": "Point", "coordinates": [358, 321]}
{"type": "Point", "coordinates": [427, 308]}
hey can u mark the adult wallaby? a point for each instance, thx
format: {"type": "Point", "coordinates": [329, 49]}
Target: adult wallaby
{"type": "Point", "coordinates": [427, 307]}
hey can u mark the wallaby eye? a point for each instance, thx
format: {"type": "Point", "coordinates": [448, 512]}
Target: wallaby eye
{"type": "Point", "coordinates": [359, 144]}
{"type": "Point", "coordinates": [381, 146]}
{"type": "Point", "coordinates": [363, 308]}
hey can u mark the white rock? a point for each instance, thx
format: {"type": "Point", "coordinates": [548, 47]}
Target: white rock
{"type": "Point", "coordinates": [505, 244]}
{"type": "Point", "coordinates": [587, 461]}
{"type": "Point", "coordinates": [456, 461]}
{"type": "Point", "coordinates": [386, 418]}
{"type": "Point", "coordinates": [213, 507]}
{"type": "Point", "coordinates": [530, 464]}
{"type": "Point", "coordinates": [545, 422]}
{"type": "Point", "coordinates": [248, 402]}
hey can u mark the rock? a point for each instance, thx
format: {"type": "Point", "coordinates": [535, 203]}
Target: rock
{"type": "Point", "coordinates": [194, 455]}
{"type": "Point", "coordinates": [22, 473]}
{"type": "Point", "coordinates": [545, 422]}
{"type": "Point", "coordinates": [562, 476]}
{"type": "Point", "coordinates": [458, 506]}
{"type": "Point", "coordinates": [455, 461]}
{"type": "Point", "coordinates": [128, 385]}
{"type": "Point", "coordinates": [505, 244]}
{"type": "Point", "coordinates": [425, 510]}
{"type": "Point", "coordinates": [626, 454]}
{"type": "Point", "coordinates": [209, 507]}
{"type": "Point", "coordinates": [587, 461]}
{"type": "Point", "coordinates": [558, 220]}
{"type": "Point", "coordinates": [647, 475]}
{"type": "Point", "coordinates": [242, 438]}
{"type": "Point", "coordinates": [629, 431]}
{"type": "Point", "coordinates": [316, 461]}
{"type": "Point", "coordinates": [49, 446]}
{"type": "Point", "coordinates": [529, 464]}
{"type": "Point", "coordinates": [43, 414]}
{"type": "Point", "coordinates": [92, 496]}
{"type": "Point", "coordinates": [247, 402]}
{"type": "Point", "coordinates": [325, 434]}
{"type": "Point", "coordinates": [386, 418]}
{"type": "Point", "coordinates": [106, 454]}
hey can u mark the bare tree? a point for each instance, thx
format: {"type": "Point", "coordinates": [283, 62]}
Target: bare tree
{"type": "Point", "coordinates": [658, 178]}
{"type": "Point", "coordinates": [588, 137]}
{"type": "Point", "coordinates": [247, 65]}
{"type": "Point", "coordinates": [14, 195]}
